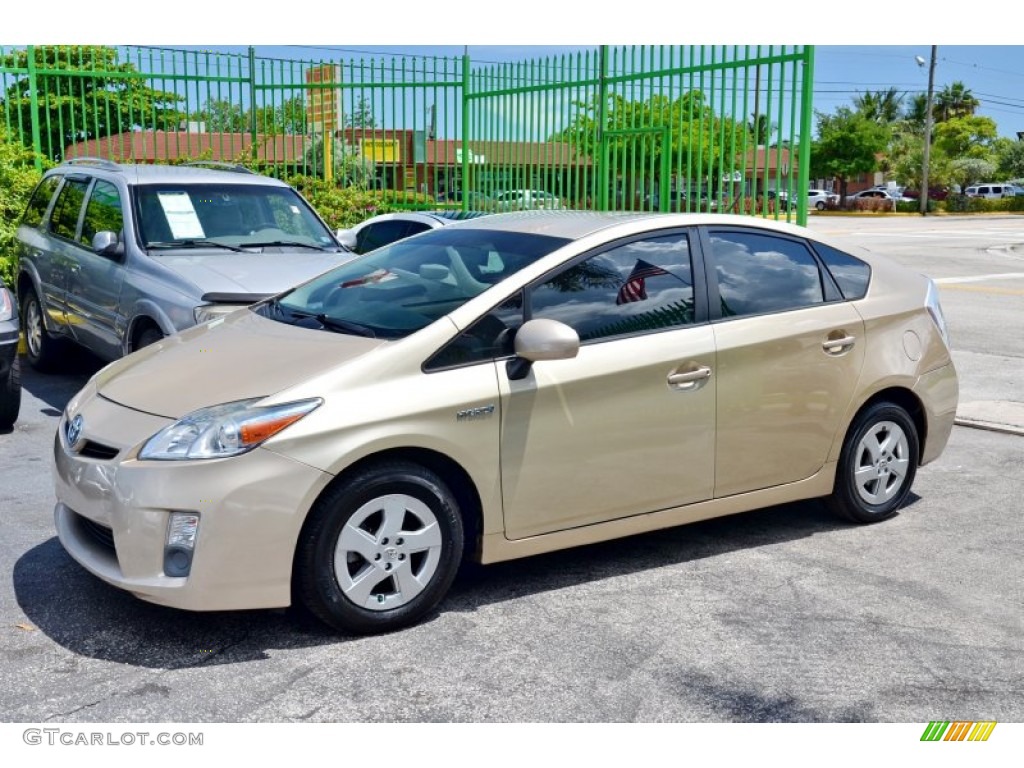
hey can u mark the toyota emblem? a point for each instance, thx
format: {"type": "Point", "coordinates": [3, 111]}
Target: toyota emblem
{"type": "Point", "coordinates": [74, 433]}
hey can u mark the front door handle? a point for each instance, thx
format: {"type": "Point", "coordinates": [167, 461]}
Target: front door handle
{"type": "Point", "coordinates": [690, 379]}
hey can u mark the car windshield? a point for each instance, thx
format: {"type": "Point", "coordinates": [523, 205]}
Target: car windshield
{"type": "Point", "coordinates": [398, 289]}
{"type": "Point", "coordinates": [238, 215]}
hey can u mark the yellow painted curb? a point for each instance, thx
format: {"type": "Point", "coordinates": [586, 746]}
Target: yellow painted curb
{"type": "Point", "coordinates": [22, 348]}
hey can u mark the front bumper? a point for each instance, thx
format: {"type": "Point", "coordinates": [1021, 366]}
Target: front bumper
{"type": "Point", "coordinates": [112, 513]}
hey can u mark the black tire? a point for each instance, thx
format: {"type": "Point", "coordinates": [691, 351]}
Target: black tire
{"type": "Point", "coordinates": [10, 395]}
{"type": "Point", "coordinates": [390, 582]}
{"type": "Point", "coordinates": [877, 465]}
{"type": "Point", "coordinates": [43, 351]}
{"type": "Point", "coordinates": [149, 335]}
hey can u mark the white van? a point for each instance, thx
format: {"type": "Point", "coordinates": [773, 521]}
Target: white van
{"type": "Point", "coordinates": [991, 190]}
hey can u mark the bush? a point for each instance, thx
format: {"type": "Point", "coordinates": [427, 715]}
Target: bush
{"type": "Point", "coordinates": [341, 207]}
{"type": "Point", "coordinates": [18, 177]}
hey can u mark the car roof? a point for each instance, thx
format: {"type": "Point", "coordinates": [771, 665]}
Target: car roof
{"type": "Point", "coordinates": [139, 173]}
{"type": "Point", "coordinates": [573, 225]}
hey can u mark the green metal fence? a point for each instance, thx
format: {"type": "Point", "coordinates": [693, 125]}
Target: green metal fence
{"type": "Point", "coordinates": [692, 128]}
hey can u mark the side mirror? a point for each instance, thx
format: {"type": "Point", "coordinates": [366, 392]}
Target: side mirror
{"type": "Point", "coordinates": [541, 339]}
{"type": "Point", "coordinates": [347, 238]}
{"type": "Point", "coordinates": [106, 243]}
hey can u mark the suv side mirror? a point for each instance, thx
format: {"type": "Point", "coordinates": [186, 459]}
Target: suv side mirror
{"type": "Point", "coordinates": [347, 238]}
{"type": "Point", "coordinates": [541, 339]}
{"type": "Point", "coordinates": [106, 243]}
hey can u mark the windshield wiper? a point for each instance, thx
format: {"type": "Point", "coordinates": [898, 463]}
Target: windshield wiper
{"type": "Point", "coordinates": [195, 243]}
{"type": "Point", "coordinates": [283, 243]}
{"type": "Point", "coordinates": [345, 326]}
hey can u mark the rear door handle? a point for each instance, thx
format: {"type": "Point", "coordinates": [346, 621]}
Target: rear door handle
{"type": "Point", "coordinates": [836, 346]}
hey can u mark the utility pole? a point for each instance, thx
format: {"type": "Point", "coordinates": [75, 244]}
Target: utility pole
{"type": "Point", "coordinates": [928, 129]}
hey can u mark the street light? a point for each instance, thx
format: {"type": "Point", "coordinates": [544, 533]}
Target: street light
{"type": "Point", "coordinates": [927, 127]}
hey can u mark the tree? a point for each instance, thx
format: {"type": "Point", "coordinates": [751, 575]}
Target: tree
{"type": "Point", "coordinates": [83, 92]}
{"type": "Point", "coordinates": [288, 117]}
{"type": "Point", "coordinates": [966, 137]}
{"type": "Point", "coordinates": [18, 177]}
{"type": "Point", "coordinates": [221, 116]}
{"type": "Point", "coordinates": [885, 107]}
{"type": "Point", "coordinates": [361, 115]}
{"type": "Point", "coordinates": [953, 101]}
{"type": "Point", "coordinates": [1009, 156]}
{"type": "Point", "coordinates": [847, 146]}
{"type": "Point", "coordinates": [969, 170]}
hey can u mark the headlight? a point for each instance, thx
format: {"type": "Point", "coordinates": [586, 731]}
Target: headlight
{"type": "Point", "coordinates": [224, 430]}
{"type": "Point", "coordinates": [206, 312]}
{"type": "Point", "coordinates": [6, 305]}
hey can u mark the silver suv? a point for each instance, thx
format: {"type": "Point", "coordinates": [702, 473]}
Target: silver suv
{"type": "Point", "coordinates": [115, 257]}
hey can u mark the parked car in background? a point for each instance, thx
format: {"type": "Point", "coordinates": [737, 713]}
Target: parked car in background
{"type": "Point", "coordinates": [387, 228]}
{"type": "Point", "coordinates": [882, 197]}
{"type": "Point", "coordinates": [115, 257]}
{"type": "Point", "coordinates": [991, 191]}
{"type": "Point", "coordinates": [10, 371]}
{"type": "Point", "coordinates": [820, 199]}
{"type": "Point", "coordinates": [497, 388]}
{"type": "Point", "coordinates": [525, 200]}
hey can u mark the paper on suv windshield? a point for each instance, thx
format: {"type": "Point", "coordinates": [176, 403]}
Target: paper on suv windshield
{"type": "Point", "coordinates": [181, 216]}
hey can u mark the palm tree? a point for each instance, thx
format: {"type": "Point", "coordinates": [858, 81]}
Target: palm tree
{"type": "Point", "coordinates": [955, 100]}
{"type": "Point", "coordinates": [883, 107]}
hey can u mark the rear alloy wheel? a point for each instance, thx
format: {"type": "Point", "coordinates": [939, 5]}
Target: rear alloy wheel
{"type": "Point", "coordinates": [380, 551]}
{"type": "Point", "coordinates": [10, 395]}
{"type": "Point", "coordinates": [42, 349]}
{"type": "Point", "coordinates": [877, 465]}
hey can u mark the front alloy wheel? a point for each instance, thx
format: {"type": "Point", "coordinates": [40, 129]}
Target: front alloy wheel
{"type": "Point", "coordinates": [380, 550]}
{"type": "Point", "coordinates": [877, 464]}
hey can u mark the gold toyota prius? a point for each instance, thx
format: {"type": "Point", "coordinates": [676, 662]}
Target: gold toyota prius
{"type": "Point", "coordinates": [497, 388]}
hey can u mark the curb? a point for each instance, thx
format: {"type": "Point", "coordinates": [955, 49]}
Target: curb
{"type": "Point", "coordinates": [990, 426]}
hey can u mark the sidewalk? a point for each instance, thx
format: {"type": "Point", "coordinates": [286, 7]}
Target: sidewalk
{"type": "Point", "coordinates": [991, 392]}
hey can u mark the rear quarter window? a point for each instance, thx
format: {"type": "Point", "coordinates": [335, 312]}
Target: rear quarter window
{"type": "Point", "coordinates": [36, 210]}
{"type": "Point", "coordinates": [850, 273]}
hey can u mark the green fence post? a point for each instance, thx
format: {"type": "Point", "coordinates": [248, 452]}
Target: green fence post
{"type": "Point", "coordinates": [252, 99]}
{"type": "Point", "coordinates": [601, 178]}
{"type": "Point", "coordinates": [37, 141]}
{"type": "Point", "coordinates": [806, 102]}
{"type": "Point", "coordinates": [465, 129]}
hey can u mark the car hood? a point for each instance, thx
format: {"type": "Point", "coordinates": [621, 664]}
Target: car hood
{"type": "Point", "coordinates": [250, 274]}
{"type": "Point", "coordinates": [240, 356]}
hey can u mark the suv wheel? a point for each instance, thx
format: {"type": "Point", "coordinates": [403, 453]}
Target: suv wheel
{"type": "Point", "coordinates": [43, 350]}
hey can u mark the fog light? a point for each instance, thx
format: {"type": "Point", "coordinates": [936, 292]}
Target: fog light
{"type": "Point", "coordinates": [181, 542]}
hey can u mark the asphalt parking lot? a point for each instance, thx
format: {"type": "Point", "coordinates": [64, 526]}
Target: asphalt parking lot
{"type": "Point", "coordinates": [781, 615]}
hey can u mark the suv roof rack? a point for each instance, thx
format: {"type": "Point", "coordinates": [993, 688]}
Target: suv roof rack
{"type": "Point", "coordinates": [234, 167]}
{"type": "Point", "coordinates": [100, 161]}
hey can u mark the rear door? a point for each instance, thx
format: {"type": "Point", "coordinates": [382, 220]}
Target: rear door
{"type": "Point", "coordinates": [94, 284]}
{"type": "Point", "coordinates": [789, 354]}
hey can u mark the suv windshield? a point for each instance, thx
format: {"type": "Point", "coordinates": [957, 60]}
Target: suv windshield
{"type": "Point", "coordinates": [239, 215]}
{"type": "Point", "coordinates": [398, 289]}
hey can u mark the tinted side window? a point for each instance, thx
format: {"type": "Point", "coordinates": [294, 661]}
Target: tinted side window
{"type": "Point", "coordinates": [489, 337]}
{"type": "Point", "coordinates": [40, 201]}
{"type": "Point", "coordinates": [851, 274]}
{"type": "Point", "coordinates": [638, 287]}
{"type": "Point", "coordinates": [64, 220]}
{"type": "Point", "coordinates": [385, 233]}
{"type": "Point", "coordinates": [762, 273]}
{"type": "Point", "coordinates": [103, 213]}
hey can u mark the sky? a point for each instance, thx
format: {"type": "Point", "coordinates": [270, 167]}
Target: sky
{"type": "Point", "coordinates": [858, 49]}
